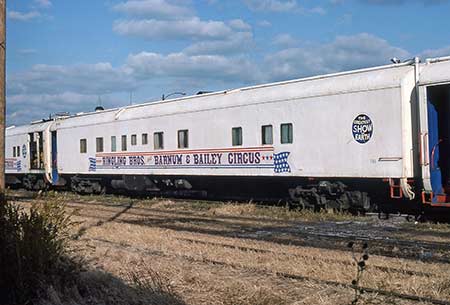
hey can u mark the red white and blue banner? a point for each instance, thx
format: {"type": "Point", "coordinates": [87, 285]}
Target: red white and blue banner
{"type": "Point", "coordinates": [13, 164]}
{"type": "Point", "coordinates": [251, 157]}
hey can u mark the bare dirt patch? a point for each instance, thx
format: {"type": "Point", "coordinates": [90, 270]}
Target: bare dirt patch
{"type": "Point", "coordinates": [211, 253]}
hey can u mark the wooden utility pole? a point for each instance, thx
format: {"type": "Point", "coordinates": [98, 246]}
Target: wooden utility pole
{"type": "Point", "coordinates": [2, 96]}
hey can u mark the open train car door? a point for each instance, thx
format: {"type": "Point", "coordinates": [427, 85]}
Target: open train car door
{"type": "Point", "coordinates": [434, 107]}
{"type": "Point", "coordinates": [55, 176]}
{"type": "Point", "coordinates": [51, 153]}
{"type": "Point", "coordinates": [36, 148]}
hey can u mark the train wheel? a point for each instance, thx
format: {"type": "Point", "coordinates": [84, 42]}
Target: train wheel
{"type": "Point", "coordinates": [34, 183]}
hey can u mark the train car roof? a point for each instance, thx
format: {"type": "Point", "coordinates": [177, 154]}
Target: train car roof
{"type": "Point", "coordinates": [435, 71]}
{"type": "Point", "coordinates": [390, 76]}
{"type": "Point", "coordinates": [25, 129]}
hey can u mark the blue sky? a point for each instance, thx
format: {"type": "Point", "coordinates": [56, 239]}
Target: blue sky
{"type": "Point", "coordinates": [65, 55]}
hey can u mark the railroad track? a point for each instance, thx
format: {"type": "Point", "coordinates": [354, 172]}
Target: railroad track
{"type": "Point", "coordinates": [327, 260]}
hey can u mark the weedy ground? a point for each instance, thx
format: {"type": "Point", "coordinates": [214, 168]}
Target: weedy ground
{"type": "Point", "coordinates": [215, 253]}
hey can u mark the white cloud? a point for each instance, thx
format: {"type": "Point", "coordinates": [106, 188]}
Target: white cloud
{"type": "Point", "coordinates": [19, 16]}
{"type": "Point", "coordinates": [236, 43]}
{"type": "Point", "coordinates": [239, 24]}
{"type": "Point", "coordinates": [173, 20]}
{"type": "Point", "coordinates": [345, 19]}
{"type": "Point", "coordinates": [401, 2]}
{"type": "Point", "coordinates": [284, 40]}
{"type": "Point", "coordinates": [272, 5]}
{"type": "Point", "coordinates": [317, 10]}
{"type": "Point", "coordinates": [344, 53]}
{"type": "Point", "coordinates": [393, 2]}
{"type": "Point", "coordinates": [100, 78]}
{"type": "Point", "coordinates": [103, 78]}
{"type": "Point", "coordinates": [282, 6]}
{"type": "Point", "coordinates": [46, 89]}
{"type": "Point", "coordinates": [192, 28]}
{"type": "Point", "coordinates": [153, 9]}
{"type": "Point", "coordinates": [27, 51]}
{"type": "Point", "coordinates": [430, 53]}
{"type": "Point", "coordinates": [24, 108]}
{"type": "Point", "coordinates": [264, 23]}
{"type": "Point", "coordinates": [146, 65]}
{"type": "Point", "coordinates": [69, 99]}
{"type": "Point", "coordinates": [43, 3]}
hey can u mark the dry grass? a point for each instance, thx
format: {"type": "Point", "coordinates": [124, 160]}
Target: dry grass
{"type": "Point", "coordinates": [279, 213]}
{"type": "Point", "coordinates": [239, 294]}
{"type": "Point", "coordinates": [39, 264]}
{"type": "Point", "coordinates": [249, 209]}
{"type": "Point", "coordinates": [231, 254]}
{"type": "Point", "coordinates": [97, 287]}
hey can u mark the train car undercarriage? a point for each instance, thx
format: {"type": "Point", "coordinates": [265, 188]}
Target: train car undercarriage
{"type": "Point", "coordinates": [346, 195]}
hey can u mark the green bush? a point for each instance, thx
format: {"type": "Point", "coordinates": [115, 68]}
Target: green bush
{"type": "Point", "coordinates": [33, 251]}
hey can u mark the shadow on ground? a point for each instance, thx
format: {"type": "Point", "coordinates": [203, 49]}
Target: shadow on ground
{"type": "Point", "coordinates": [99, 287]}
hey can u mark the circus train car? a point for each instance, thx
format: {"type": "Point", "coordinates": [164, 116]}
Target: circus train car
{"type": "Point", "coordinates": [347, 141]}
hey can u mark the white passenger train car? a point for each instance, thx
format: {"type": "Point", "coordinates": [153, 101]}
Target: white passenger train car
{"type": "Point", "coordinates": [28, 155]}
{"type": "Point", "coordinates": [329, 139]}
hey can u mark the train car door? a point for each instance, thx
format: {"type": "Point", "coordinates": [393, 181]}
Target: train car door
{"type": "Point", "coordinates": [55, 176]}
{"type": "Point", "coordinates": [36, 145]}
{"type": "Point", "coordinates": [33, 144]}
{"type": "Point", "coordinates": [435, 142]}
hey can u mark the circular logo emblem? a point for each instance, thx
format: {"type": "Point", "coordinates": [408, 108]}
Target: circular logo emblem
{"type": "Point", "coordinates": [362, 128]}
{"type": "Point", "coordinates": [24, 151]}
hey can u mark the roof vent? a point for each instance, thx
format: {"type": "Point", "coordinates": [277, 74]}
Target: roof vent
{"type": "Point", "coordinates": [203, 92]}
{"type": "Point", "coordinates": [57, 115]}
{"type": "Point", "coordinates": [99, 108]}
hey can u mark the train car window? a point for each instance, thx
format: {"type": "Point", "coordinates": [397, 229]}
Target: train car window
{"type": "Point", "coordinates": [267, 134]}
{"type": "Point", "coordinates": [83, 146]}
{"type": "Point", "coordinates": [18, 151]}
{"type": "Point", "coordinates": [113, 143]}
{"type": "Point", "coordinates": [133, 139]}
{"type": "Point", "coordinates": [124, 143]}
{"type": "Point", "coordinates": [144, 139]}
{"type": "Point", "coordinates": [158, 140]}
{"type": "Point", "coordinates": [236, 135]}
{"type": "Point", "coordinates": [183, 138]}
{"type": "Point", "coordinates": [14, 151]}
{"type": "Point", "coordinates": [287, 135]}
{"type": "Point", "coordinates": [99, 144]}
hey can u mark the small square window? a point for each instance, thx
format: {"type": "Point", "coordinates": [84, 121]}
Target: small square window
{"type": "Point", "coordinates": [133, 139]}
{"type": "Point", "coordinates": [99, 144]}
{"type": "Point", "coordinates": [113, 143]}
{"type": "Point", "coordinates": [144, 139]}
{"type": "Point", "coordinates": [83, 146]}
{"type": "Point", "coordinates": [183, 141]}
{"type": "Point", "coordinates": [267, 134]}
{"type": "Point", "coordinates": [158, 140]}
{"type": "Point", "coordinates": [286, 133]}
{"type": "Point", "coordinates": [124, 143]}
{"type": "Point", "coordinates": [236, 134]}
